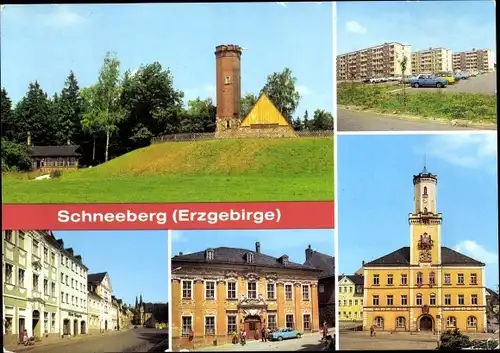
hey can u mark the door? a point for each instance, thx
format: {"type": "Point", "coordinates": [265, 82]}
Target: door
{"type": "Point", "coordinates": [22, 327]}
{"type": "Point", "coordinates": [426, 323]}
{"type": "Point", "coordinates": [75, 327]}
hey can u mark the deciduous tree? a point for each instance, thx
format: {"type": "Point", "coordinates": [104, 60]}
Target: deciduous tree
{"type": "Point", "coordinates": [280, 88]}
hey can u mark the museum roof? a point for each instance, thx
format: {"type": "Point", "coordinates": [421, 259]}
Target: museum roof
{"type": "Point", "coordinates": [226, 255]}
{"type": "Point", "coordinates": [323, 262]}
{"type": "Point", "coordinates": [401, 257]}
{"type": "Point", "coordinates": [55, 151]}
{"type": "Point", "coordinates": [356, 279]}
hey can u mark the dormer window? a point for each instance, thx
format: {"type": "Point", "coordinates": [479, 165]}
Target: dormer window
{"type": "Point", "coordinates": [250, 258]}
{"type": "Point", "coordinates": [284, 260]}
{"type": "Point", "coordinates": [209, 254]}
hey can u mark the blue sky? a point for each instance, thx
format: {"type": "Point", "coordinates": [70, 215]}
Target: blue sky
{"type": "Point", "coordinates": [136, 261]}
{"type": "Point", "coordinates": [45, 42]}
{"type": "Point", "coordinates": [376, 194]}
{"type": "Point", "coordinates": [457, 25]}
{"type": "Point", "coordinates": [272, 242]}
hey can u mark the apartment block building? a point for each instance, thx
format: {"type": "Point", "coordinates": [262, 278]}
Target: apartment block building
{"type": "Point", "coordinates": [475, 59]}
{"type": "Point", "coordinates": [378, 61]}
{"type": "Point", "coordinates": [432, 60]}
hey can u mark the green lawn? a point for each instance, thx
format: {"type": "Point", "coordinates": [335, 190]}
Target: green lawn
{"type": "Point", "coordinates": [226, 170]}
{"type": "Point", "coordinates": [477, 108]}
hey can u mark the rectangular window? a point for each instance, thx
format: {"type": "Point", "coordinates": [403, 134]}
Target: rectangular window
{"type": "Point", "coordinates": [231, 324]}
{"type": "Point", "coordinates": [67, 280]}
{"type": "Point", "coordinates": [461, 299]}
{"type": "Point", "coordinates": [305, 292]}
{"type": "Point", "coordinates": [432, 299]}
{"type": "Point", "coordinates": [46, 287]}
{"type": "Point", "coordinates": [390, 280]}
{"type": "Point", "coordinates": [53, 322]}
{"type": "Point", "coordinates": [46, 321]}
{"type": "Point", "coordinates": [306, 319]}
{"type": "Point", "coordinates": [375, 300]}
{"type": "Point", "coordinates": [460, 278]}
{"type": "Point", "coordinates": [419, 299]}
{"type": "Point", "coordinates": [376, 280]}
{"type": "Point", "coordinates": [187, 291]}
{"type": "Point", "coordinates": [447, 278]}
{"type": "Point", "coordinates": [271, 291]}
{"type": "Point", "coordinates": [209, 289]}
{"type": "Point", "coordinates": [289, 320]}
{"type": "Point", "coordinates": [62, 278]}
{"type": "Point", "coordinates": [288, 291]}
{"type": "Point", "coordinates": [209, 325]}
{"type": "Point", "coordinates": [187, 325]}
{"type": "Point", "coordinates": [20, 278]}
{"type": "Point", "coordinates": [271, 321]}
{"type": "Point", "coordinates": [390, 300]}
{"type": "Point", "coordinates": [231, 290]}
{"type": "Point", "coordinates": [62, 260]}
{"type": "Point", "coordinates": [447, 299]}
{"type": "Point", "coordinates": [53, 289]}
{"type": "Point", "coordinates": [52, 258]}
{"type": "Point", "coordinates": [252, 290]}
{"type": "Point", "coordinates": [404, 300]}
{"type": "Point", "coordinates": [473, 278]}
{"type": "Point", "coordinates": [46, 259]}
{"type": "Point", "coordinates": [35, 283]}
{"type": "Point", "coordinates": [62, 297]}
{"type": "Point", "coordinates": [473, 299]}
{"type": "Point", "coordinates": [9, 269]}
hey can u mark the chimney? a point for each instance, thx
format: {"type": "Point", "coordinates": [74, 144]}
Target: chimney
{"type": "Point", "coordinates": [309, 253]}
{"type": "Point", "coordinates": [29, 139]}
{"type": "Point", "coordinates": [363, 263]}
{"type": "Point", "coordinates": [257, 247]}
{"type": "Point", "coordinates": [228, 82]}
{"type": "Point", "coordinates": [180, 254]}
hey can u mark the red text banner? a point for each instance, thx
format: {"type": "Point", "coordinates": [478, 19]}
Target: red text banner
{"type": "Point", "coordinates": [252, 215]}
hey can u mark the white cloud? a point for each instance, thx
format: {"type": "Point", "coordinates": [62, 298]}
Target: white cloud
{"type": "Point", "coordinates": [61, 16]}
{"type": "Point", "coordinates": [476, 251]}
{"type": "Point", "coordinates": [303, 90]}
{"type": "Point", "coordinates": [355, 27]}
{"type": "Point", "coordinates": [203, 92]}
{"type": "Point", "coordinates": [467, 150]}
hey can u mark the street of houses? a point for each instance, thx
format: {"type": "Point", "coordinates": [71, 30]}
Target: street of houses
{"type": "Point", "coordinates": [49, 293]}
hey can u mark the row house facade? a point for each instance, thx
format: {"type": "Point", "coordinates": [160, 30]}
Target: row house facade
{"type": "Point", "coordinates": [32, 289]}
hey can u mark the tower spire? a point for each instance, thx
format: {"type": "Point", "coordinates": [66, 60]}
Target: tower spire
{"type": "Point", "coordinates": [424, 171]}
{"type": "Point", "coordinates": [136, 303]}
{"type": "Point", "coordinates": [140, 300]}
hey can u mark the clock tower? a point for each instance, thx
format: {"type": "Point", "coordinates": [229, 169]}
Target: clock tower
{"type": "Point", "coordinates": [425, 221]}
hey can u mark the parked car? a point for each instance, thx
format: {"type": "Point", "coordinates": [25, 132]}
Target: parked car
{"type": "Point", "coordinates": [428, 81]}
{"type": "Point", "coordinates": [461, 76]}
{"type": "Point", "coordinates": [285, 333]}
{"type": "Point", "coordinates": [448, 76]}
{"type": "Point", "coordinates": [366, 80]}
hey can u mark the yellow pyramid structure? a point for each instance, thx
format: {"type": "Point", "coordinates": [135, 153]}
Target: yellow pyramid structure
{"type": "Point", "coordinates": [264, 113]}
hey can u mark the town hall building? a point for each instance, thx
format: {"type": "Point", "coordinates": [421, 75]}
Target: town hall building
{"type": "Point", "coordinates": [426, 286]}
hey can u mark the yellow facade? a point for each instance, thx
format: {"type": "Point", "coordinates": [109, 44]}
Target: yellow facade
{"type": "Point", "coordinates": [232, 304]}
{"type": "Point", "coordinates": [264, 112]}
{"type": "Point", "coordinates": [426, 287]}
{"type": "Point", "coordinates": [350, 300]}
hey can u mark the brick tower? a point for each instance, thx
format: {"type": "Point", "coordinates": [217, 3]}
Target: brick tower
{"type": "Point", "coordinates": [228, 87]}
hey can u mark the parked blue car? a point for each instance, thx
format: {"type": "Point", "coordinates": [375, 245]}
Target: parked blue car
{"type": "Point", "coordinates": [428, 81]}
{"type": "Point", "coordinates": [461, 76]}
{"type": "Point", "coordinates": [285, 333]}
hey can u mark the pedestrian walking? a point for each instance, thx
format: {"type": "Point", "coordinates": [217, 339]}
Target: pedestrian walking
{"type": "Point", "coordinates": [264, 334]}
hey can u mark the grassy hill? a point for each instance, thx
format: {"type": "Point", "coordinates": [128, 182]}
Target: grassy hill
{"type": "Point", "coordinates": [220, 170]}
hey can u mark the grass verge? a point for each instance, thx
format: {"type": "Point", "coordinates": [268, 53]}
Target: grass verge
{"type": "Point", "coordinates": [476, 108]}
{"type": "Point", "coordinates": [205, 171]}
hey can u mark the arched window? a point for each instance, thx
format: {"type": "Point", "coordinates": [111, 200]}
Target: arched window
{"type": "Point", "coordinates": [432, 278]}
{"type": "Point", "coordinates": [471, 322]}
{"type": "Point", "coordinates": [420, 278]}
{"type": "Point", "coordinates": [425, 210]}
{"type": "Point", "coordinates": [400, 322]}
{"type": "Point", "coordinates": [451, 321]}
{"type": "Point", "coordinates": [379, 322]}
{"type": "Point", "coordinates": [228, 124]}
{"type": "Point", "coordinates": [425, 190]}
{"type": "Point", "coordinates": [432, 299]}
{"type": "Point", "coordinates": [419, 299]}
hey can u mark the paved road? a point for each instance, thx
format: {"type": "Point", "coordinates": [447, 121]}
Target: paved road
{"type": "Point", "coordinates": [485, 84]}
{"type": "Point", "coordinates": [348, 120]}
{"type": "Point", "coordinates": [309, 342]}
{"type": "Point", "coordinates": [136, 340]}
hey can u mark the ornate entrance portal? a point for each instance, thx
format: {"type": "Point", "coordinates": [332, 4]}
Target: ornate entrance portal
{"type": "Point", "coordinates": [252, 325]}
{"type": "Point", "coordinates": [426, 323]}
{"type": "Point", "coordinates": [253, 310]}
